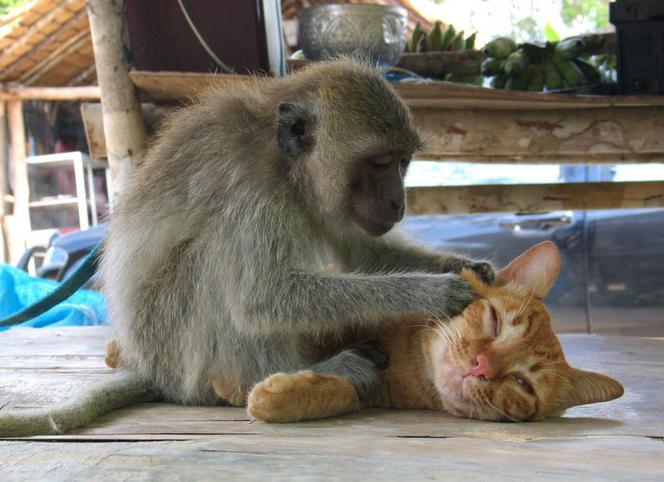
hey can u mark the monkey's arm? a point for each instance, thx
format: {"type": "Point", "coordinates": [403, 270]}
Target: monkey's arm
{"type": "Point", "coordinates": [320, 303]}
{"type": "Point", "coordinates": [397, 252]}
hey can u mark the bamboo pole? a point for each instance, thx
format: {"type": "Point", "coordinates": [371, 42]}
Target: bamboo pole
{"type": "Point", "coordinates": [4, 255]}
{"type": "Point", "coordinates": [124, 130]}
{"type": "Point", "coordinates": [18, 92]}
{"type": "Point", "coordinates": [21, 219]}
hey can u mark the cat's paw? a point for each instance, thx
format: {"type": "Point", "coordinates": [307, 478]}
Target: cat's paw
{"type": "Point", "coordinates": [289, 397]}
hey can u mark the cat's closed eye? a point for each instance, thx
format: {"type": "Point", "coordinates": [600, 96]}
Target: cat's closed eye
{"type": "Point", "coordinates": [524, 383]}
{"type": "Point", "coordinates": [495, 321]}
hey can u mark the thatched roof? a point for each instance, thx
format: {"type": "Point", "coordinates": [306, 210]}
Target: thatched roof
{"type": "Point", "coordinates": [47, 42]}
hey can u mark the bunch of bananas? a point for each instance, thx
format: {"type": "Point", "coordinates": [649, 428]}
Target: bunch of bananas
{"type": "Point", "coordinates": [550, 67]}
{"type": "Point", "coordinates": [439, 40]}
{"type": "Point", "coordinates": [447, 40]}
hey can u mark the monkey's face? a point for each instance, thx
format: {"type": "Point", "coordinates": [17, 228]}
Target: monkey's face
{"type": "Point", "coordinates": [377, 193]}
{"type": "Point", "coordinates": [352, 138]}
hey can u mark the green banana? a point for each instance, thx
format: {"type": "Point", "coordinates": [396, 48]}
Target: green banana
{"type": "Point", "coordinates": [518, 83]}
{"type": "Point", "coordinates": [589, 71]}
{"type": "Point", "coordinates": [553, 79]}
{"type": "Point", "coordinates": [470, 41]}
{"type": "Point", "coordinates": [535, 53]}
{"type": "Point", "coordinates": [492, 67]}
{"type": "Point", "coordinates": [570, 48]}
{"type": "Point", "coordinates": [415, 38]}
{"type": "Point", "coordinates": [537, 78]}
{"type": "Point", "coordinates": [458, 42]}
{"type": "Point", "coordinates": [436, 37]}
{"type": "Point", "coordinates": [499, 48]}
{"type": "Point", "coordinates": [569, 71]}
{"type": "Point", "coordinates": [516, 63]}
{"type": "Point", "coordinates": [499, 81]}
{"type": "Point", "coordinates": [448, 36]}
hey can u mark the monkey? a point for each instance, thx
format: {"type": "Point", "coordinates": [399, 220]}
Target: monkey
{"type": "Point", "coordinates": [214, 264]}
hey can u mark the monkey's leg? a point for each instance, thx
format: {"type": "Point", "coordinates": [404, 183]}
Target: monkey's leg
{"type": "Point", "coordinates": [235, 396]}
{"type": "Point", "coordinates": [334, 387]}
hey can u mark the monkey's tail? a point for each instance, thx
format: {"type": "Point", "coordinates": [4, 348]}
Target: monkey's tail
{"type": "Point", "coordinates": [122, 389]}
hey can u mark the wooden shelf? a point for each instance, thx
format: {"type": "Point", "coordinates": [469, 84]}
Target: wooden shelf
{"type": "Point", "coordinates": [53, 203]}
{"type": "Point", "coordinates": [471, 124]}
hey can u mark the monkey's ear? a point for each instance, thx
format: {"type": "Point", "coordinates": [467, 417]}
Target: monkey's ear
{"type": "Point", "coordinates": [294, 131]}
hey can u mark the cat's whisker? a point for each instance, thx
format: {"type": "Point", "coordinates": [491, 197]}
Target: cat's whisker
{"type": "Point", "coordinates": [501, 412]}
{"type": "Point", "coordinates": [524, 305]}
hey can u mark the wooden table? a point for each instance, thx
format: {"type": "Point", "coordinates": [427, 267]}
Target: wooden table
{"type": "Point", "coordinates": [620, 440]}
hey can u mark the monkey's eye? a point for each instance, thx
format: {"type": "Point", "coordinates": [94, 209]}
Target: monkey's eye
{"type": "Point", "coordinates": [382, 162]}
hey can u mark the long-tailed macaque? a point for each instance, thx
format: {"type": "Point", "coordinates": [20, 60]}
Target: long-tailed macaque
{"type": "Point", "coordinates": [215, 261]}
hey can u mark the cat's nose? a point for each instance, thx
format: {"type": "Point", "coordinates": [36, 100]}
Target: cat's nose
{"type": "Point", "coordinates": [483, 368]}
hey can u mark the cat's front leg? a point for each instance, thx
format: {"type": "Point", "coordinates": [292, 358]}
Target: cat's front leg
{"type": "Point", "coordinates": [291, 397]}
{"type": "Point", "coordinates": [342, 384]}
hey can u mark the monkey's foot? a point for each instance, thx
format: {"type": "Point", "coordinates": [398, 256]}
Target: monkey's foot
{"type": "Point", "coordinates": [112, 358]}
{"type": "Point", "coordinates": [235, 396]}
{"type": "Point", "coordinates": [289, 397]}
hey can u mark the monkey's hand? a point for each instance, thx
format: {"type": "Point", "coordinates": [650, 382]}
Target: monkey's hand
{"type": "Point", "coordinates": [452, 292]}
{"type": "Point", "coordinates": [483, 269]}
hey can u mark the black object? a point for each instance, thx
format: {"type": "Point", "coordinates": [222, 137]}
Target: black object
{"type": "Point", "coordinates": [640, 45]}
{"type": "Point", "coordinates": [162, 40]}
{"type": "Point", "coordinates": [68, 287]}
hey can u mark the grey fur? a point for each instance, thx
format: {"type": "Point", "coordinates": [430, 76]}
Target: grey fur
{"type": "Point", "coordinates": [123, 389]}
{"type": "Point", "coordinates": [216, 256]}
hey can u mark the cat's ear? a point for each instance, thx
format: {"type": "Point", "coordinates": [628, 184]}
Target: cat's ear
{"type": "Point", "coordinates": [585, 387]}
{"type": "Point", "coordinates": [536, 269]}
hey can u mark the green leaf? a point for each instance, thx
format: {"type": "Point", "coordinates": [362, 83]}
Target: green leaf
{"type": "Point", "coordinates": [550, 33]}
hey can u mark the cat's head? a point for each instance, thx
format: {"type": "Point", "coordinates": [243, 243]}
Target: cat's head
{"type": "Point", "coordinates": [500, 359]}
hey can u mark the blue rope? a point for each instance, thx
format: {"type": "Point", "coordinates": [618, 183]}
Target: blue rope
{"type": "Point", "coordinates": [67, 288]}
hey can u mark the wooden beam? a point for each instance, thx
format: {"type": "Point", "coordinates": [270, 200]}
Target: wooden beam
{"type": "Point", "coordinates": [18, 92]}
{"type": "Point", "coordinates": [534, 198]}
{"type": "Point", "coordinates": [36, 27]}
{"type": "Point", "coordinates": [20, 227]}
{"type": "Point", "coordinates": [86, 73]}
{"type": "Point", "coordinates": [180, 86]}
{"type": "Point", "coordinates": [4, 185]}
{"type": "Point", "coordinates": [124, 130]}
{"type": "Point", "coordinates": [72, 45]}
{"type": "Point", "coordinates": [563, 136]}
{"type": "Point", "coordinates": [62, 31]}
{"type": "Point", "coordinates": [439, 63]}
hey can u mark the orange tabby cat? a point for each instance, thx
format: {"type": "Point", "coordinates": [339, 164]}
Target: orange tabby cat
{"type": "Point", "coordinates": [498, 360]}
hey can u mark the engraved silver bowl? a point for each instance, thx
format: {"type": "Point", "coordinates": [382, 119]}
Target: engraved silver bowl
{"type": "Point", "coordinates": [376, 32]}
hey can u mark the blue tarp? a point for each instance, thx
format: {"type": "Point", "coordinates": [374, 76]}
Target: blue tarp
{"type": "Point", "coordinates": [18, 289]}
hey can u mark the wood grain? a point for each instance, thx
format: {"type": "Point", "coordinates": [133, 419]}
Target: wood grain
{"type": "Point", "coordinates": [620, 440]}
{"type": "Point", "coordinates": [535, 198]}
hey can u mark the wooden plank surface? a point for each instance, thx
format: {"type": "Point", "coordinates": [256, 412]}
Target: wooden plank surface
{"type": "Point", "coordinates": [620, 440]}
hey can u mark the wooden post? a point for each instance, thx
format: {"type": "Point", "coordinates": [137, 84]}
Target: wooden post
{"type": "Point", "coordinates": [4, 255]}
{"type": "Point", "coordinates": [124, 130]}
{"type": "Point", "coordinates": [20, 226]}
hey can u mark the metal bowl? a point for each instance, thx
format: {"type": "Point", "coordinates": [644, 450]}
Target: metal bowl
{"type": "Point", "coordinates": [377, 32]}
